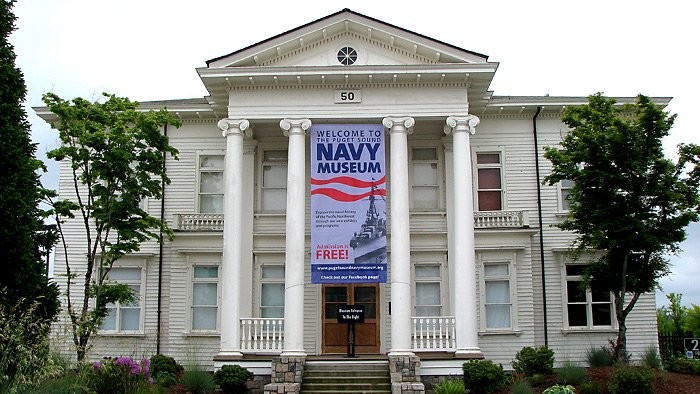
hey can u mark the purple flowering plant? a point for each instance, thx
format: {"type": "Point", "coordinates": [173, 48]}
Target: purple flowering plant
{"type": "Point", "coordinates": [120, 374]}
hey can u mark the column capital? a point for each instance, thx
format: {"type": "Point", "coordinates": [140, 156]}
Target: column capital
{"type": "Point", "coordinates": [234, 126]}
{"type": "Point", "coordinates": [399, 124]}
{"type": "Point", "coordinates": [462, 123]}
{"type": "Point", "coordinates": [294, 126]}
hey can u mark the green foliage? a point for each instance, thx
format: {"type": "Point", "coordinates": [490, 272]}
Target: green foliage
{"type": "Point", "coordinates": [232, 379]}
{"type": "Point", "coordinates": [529, 361]}
{"type": "Point", "coordinates": [651, 358]}
{"type": "Point", "coordinates": [483, 376]}
{"type": "Point", "coordinates": [589, 387]}
{"type": "Point", "coordinates": [450, 386]}
{"type": "Point", "coordinates": [198, 381]}
{"type": "Point", "coordinates": [521, 387]}
{"type": "Point", "coordinates": [25, 357]}
{"type": "Point", "coordinates": [692, 322]}
{"type": "Point", "coordinates": [631, 380]}
{"type": "Point", "coordinates": [165, 370]}
{"type": "Point", "coordinates": [672, 319]}
{"type": "Point", "coordinates": [570, 373]}
{"type": "Point", "coordinates": [599, 357]}
{"type": "Point", "coordinates": [560, 389]}
{"type": "Point", "coordinates": [628, 201]}
{"type": "Point", "coordinates": [117, 158]}
{"type": "Point", "coordinates": [537, 379]}
{"type": "Point", "coordinates": [120, 374]}
{"type": "Point", "coordinates": [682, 364]}
{"type": "Point", "coordinates": [24, 240]}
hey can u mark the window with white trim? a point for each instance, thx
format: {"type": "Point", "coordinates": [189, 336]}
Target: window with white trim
{"type": "Point", "coordinates": [565, 186]}
{"type": "Point", "coordinates": [204, 307]}
{"type": "Point", "coordinates": [489, 181]}
{"type": "Point", "coordinates": [273, 188]}
{"type": "Point", "coordinates": [498, 305]}
{"type": "Point", "coordinates": [271, 290]}
{"type": "Point", "coordinates": [425, 178]}
{"type": "Point", "coordinates": [211, 184]}
{"type": "Point", "coordinates": [586, 308]}
{"type": "Point", "coordinates": [428, 289]}
{"type": "Point", "coordinates": [125, 318]}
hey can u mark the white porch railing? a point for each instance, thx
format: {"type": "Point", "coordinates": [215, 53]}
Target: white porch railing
{"type": "Point", "coordinates": [501, 219]}
{"type": "Point", "coordinates": [482, 220]}
{"type": "Point", "coordinates": [262, 334]}
{"type": "Point", "coordinates": [435, 333]}
{"type": "Point", "coordinates": [199, 222]}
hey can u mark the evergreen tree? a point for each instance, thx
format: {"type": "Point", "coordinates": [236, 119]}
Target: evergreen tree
{"type": "Point", "coordinates": [22, 234]}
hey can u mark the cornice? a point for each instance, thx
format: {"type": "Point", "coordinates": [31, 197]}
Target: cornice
{"type": "Point", "coordinates": [354, 86]}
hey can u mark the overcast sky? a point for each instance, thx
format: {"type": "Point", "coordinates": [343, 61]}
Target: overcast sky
{"type": "Point", "coordinates": [148, 50]}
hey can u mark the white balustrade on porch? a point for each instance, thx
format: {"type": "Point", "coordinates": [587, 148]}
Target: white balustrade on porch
{"type": "Point", "coordinates": [436, 333]}
{"type": "Point", "coordinates": [199, 222]}
{"type": "Point", "coordinates": [262, 334]}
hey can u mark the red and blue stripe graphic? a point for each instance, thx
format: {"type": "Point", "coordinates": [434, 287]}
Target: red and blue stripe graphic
{"type": "Point", "coordinates": [349, 184]}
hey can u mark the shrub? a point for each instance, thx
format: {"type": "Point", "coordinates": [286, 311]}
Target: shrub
{"type": "Point", "coordinates": [521, 387]}
{"type": "Point", "coordinates": [530, 361]}
{"type": "Point", "coordinates": [450, 386]}
{"type": "Point", "coordinates": [651, 358]}
{"type": "Point", "coordinates": [682, 364]}
{"type": "Point", "coordinates": [120, 374]}
{"type": "Point", "coordinates": [560, 389]}
{"type": "Point", "coordinates": [165, 370]}
{"type": "Point", "coordinates": [631, 380]}
{"type": "Point", "coordinates": [232, 379]}
{"type": "Point", "coordinates": [589, 387]}
{"type": "Point", "coordinates": [483, 376]}
{"type": "Point", "coordinates": [570, 373]}
{"type": "Point", "coordinates": [599, 357]}
{"type": "Point", "coordinates": [198, 381]}
{"type": "Point", "coordinates": [537, 379]}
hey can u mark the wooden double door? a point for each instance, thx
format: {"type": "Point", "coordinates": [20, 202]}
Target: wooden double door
{"type": "Point", "coordinates": [334, 333]}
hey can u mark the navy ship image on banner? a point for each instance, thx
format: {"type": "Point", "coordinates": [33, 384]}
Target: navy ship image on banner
{"type": "Point", "coordinates": [369, 243]}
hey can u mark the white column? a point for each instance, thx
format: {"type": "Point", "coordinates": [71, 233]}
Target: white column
{"type": "Point", "coordinates": [400, 260]}
{"type": "Point", "coordinates": [233, 130]}
{"type": "Point", "coordinates": [464, 291]}
{"type": "Point", "coordinates": [295, 129]}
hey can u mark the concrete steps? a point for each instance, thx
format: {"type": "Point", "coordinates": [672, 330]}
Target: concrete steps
{"type": "Point", "coordinates": [325, 377]}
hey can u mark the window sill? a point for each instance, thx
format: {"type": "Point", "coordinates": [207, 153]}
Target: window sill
{"type": "Point", "coordinates": [115, 334]}
{"type": "Point", "coordinates": [517, 333]}
{"type": "Point", "coordinates": [202, 334]}
{"type": "Point", "coordinates": [589, 330]}
{"type": "Point", "coordinates": [561, 214]}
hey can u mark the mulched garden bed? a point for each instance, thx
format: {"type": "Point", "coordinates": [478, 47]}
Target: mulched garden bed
{"type": "Point", "coordinates": [666, 382]}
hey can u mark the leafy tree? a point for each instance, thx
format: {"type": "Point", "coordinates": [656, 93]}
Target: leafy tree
{"type": "Point", "coordinates": [116, 155]}
{"type": "Point", "coordinates": [672, 319]}
{"type": "Point", "coordinates": [22, 234]}
{"type": "Point", "coordinates": [692, 320]}
{"type": "Point", "coordinates": [629, 203]}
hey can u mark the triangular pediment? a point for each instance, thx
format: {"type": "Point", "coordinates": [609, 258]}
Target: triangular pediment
{"type": "Point", "coordinates": [374, 43]}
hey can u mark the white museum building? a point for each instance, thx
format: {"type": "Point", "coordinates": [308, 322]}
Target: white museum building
{"type": "Point", "coordinates": [475, 264]}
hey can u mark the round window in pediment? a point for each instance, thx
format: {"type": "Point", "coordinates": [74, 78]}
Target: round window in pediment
{"type": "Point", "coordinates": [347, 56]}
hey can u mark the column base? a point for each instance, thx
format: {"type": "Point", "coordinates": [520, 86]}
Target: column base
{"type": "Point", "coordinates": [277, 388]}
{"type": "Point", "coordinates": [407, 388]}
{"type": "Point", "coordinates": [469, 353]}
{"type": "Point", "coordinates": [404, 368]}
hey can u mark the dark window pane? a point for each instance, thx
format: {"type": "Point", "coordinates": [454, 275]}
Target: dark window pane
{"type": "Point", "coordinates": [575, 269]}
{"type": "Point", "coordinates": [488, 158]}
{"type": "Point", "coordinates": [336, 294]}
{"type": "Point", "coordinates": [574, 291]}
{"type": "Point", "coordinates": [370, 310]}
{"type": "Point", "coordinates": [489, 178]}
{"type": "Point", "coordinates": [490, 201]}
{"type": "Point", "coordinates": [577, 315]}
{"type": "Point", "coordinates": [331, 311]}
{"type": "Point", "coordinates": [600, 295]}
{"type": "Point", "coordinates": [365, 294]}
{"type": "Point", "coordinates": [602, 315]}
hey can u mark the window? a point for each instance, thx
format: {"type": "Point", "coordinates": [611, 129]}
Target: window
{"type": "Point", "coordinates": [274, 181]}
{"type": "Point", "coordinates": [564, 189]}
{"type": "Point", "coordinates": [211, 184]}
{"type": "Point", "coordinates": [272, 291]}
{"type": "Point", "coordinates": [586, 308]}
{"type": "Point", "coordinates": [205, 298]}
{"type": "Point", "coordinates": [425, 178]}
{"type": "Point", "coordinates": [125, 318]}
{"type": "Point", "coordinates": [428, 294]}
{"type": "Point", "coordinates": [497, 296]}
{"type": "Point", "coordinates": [489, 191]}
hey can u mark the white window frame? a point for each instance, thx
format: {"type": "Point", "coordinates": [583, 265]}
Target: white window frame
{"type": "Point", "coordinates": [563, 204]}
{"type": "Point", "coordinates": [262, 281]}
{"type": "Point", "coordinates": [261, 166]}
{"type": "Point", "coordinates": [441, 280]}
{"type": "Point", "coordinates": [498, 258]}
{"type": "Point", "coordinates": [199, 192]}
{"type": "Point", "coordinates": [500, 150]}
{"type": "Point", "coordinates": [200, 261]}
{"type": "Point", "coordinates": [588, 303]}
{"type": "Point", "coordinates": [440, 175]}
{"type": "Point", "coordinates": [141, 298]}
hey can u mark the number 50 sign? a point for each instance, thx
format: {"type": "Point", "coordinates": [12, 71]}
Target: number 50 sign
{"type": "Point", "coordinates": [692, 347]}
